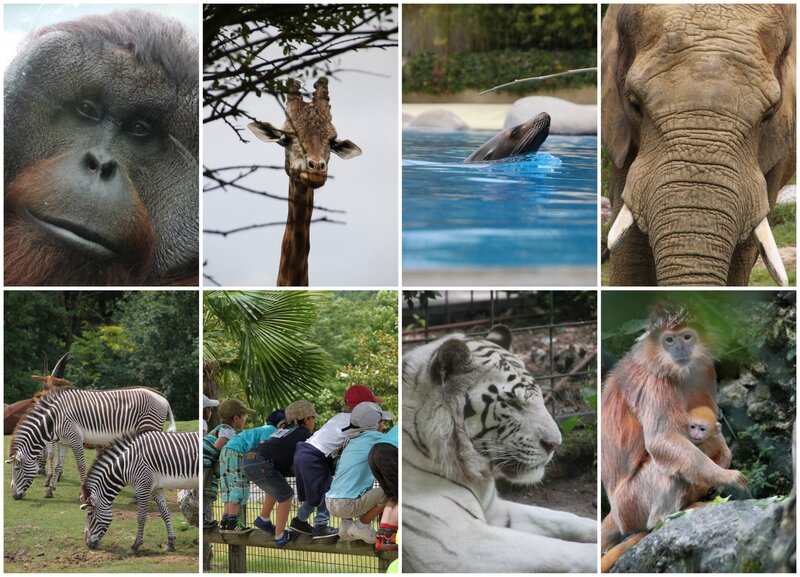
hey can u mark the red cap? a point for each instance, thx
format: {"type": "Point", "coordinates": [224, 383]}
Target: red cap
{"type": "Point", "coordinates": [359, 394]}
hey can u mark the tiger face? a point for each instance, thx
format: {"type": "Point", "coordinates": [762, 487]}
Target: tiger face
{"type": "Point", "coordinates": [505, 415]}
{"type": "Point", "coordinates": [495, 420]}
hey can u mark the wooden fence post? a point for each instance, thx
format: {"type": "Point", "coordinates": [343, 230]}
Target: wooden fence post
{"type": "Point", "coordinates": [237, 559]}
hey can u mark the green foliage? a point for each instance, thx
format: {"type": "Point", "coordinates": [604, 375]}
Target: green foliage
{"type": "Point", "coordinates": [256, 343]}
{"type": "Point", "coordinates": [375, 365]}
{"type": "Point", "coordinates": [163, 333]}
{"type": "Point", "coordinates": [346, 314]}
{"type": "Point", "coordinates": [115, 339]}
{"type": "Point", "coordinates": [568, 424]}
{"type": "Point", "coordinates": [736, 321]}
{"type": "Point", "coordinates": [35, 329]}
{"type": "Point", "coordinates": [487, 27]}
{"type": "Point", "coordinates": [761, 477]}
{"type": "Point", "coordinates": [430, 73]}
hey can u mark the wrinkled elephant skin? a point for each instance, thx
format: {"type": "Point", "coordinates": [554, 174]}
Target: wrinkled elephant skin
{"type": "Point", "coordinates": [698, 119]}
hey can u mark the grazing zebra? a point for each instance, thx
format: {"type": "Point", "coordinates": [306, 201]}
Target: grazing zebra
{"type": "Point", "coordinates": [149, 462]}
{"type": "Point", "coordinates": [72, 417]}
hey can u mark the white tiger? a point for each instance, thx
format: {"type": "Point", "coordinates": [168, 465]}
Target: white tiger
{"type": "Point", "coordinates": [472, 412]}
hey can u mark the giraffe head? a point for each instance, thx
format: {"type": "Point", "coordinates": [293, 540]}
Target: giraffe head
{"type": "Point", "coordinates": [308, 135]}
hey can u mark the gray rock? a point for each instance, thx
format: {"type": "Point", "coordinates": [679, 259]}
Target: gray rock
{"type": "Point", "coordinates": [737, 537]}
{"type": "Point", "coordinates": [788, 194]}
{"type": "Point", "coordinates": [190, 506]}
{"type": "Point", "coordinates": [436, 120]}
{"type": "Point", "coordinates": [565, 117]}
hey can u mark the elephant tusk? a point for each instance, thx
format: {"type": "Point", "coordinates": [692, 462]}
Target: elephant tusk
{"type": "Point", "coordinates": [620, 228]}
{"type": "Point", "coordinates": [769, 253]}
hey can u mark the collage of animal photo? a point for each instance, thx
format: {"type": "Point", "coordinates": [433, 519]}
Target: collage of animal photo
{"type": "Point", "coordinates": [547, 323]}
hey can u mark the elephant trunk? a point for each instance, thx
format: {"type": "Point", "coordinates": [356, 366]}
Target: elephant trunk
{"type": "Point", "coordinates": [690, 246]}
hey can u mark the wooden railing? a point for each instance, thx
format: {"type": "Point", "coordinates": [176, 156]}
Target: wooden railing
{"type": "Point", "coordinates": [238, 544]}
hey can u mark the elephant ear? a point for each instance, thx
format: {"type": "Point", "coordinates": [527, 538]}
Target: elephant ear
{"type": "Point", "coordinates": [782, 129]}
{"type": "Point", "coordinates": [614, 123]}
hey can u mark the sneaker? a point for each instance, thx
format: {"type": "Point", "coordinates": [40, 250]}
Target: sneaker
{"type": "Point", "coordinates": [286, 538]}
{"type": "Point", "coordinates": [264, 525]}
{"type": "Point", "coordinates": [209, 524]}
{"type": "Point", "coordinates": [301, 526]}
{"type": "Point", "coordinates": [235, 525]}
{"type": "Point", "coordinates": [384, 543]}
{"type": "Point", "coordinates": [344, 530]}
{"type": "Point", "coordinates": [323, 532]}
{"type": "Point", "coordinates": [363, 532]}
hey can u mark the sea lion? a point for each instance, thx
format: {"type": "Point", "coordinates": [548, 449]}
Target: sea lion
{"type": "Point", "coordinates": [522, 139]}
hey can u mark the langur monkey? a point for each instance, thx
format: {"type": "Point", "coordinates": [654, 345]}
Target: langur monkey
{"type": "Point", "coordinates": [706, 432]}
{"type": "Point", "coordinates": [649, 466]}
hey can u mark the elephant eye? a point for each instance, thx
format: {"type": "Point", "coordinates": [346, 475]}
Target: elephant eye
{"type": "Point", "coordinates": [770, 112]}
{"type": "Point", "coordinates": [635, 105]}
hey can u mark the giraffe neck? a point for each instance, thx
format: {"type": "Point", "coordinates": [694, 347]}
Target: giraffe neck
{"type": "Point", "coordinates": [293, 270]}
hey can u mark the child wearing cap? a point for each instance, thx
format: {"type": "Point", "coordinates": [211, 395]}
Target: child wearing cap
{"type": "Point", "coordinates": [351, 495]}
{"type": "Point", "coordinates": [208, 404]}
{"type": "Point", "coordinates": [270, 463]}
{"type": "Point", "coordinates": [236, 412]}
{"type": "Point", "coordinates": [232, 417]}
{"type": "Point", "coordinates": [233, 452]}
{"type": "Point", "coordinates": [313, 465]}
{"type": "Point", "coordinates": [383, 458]}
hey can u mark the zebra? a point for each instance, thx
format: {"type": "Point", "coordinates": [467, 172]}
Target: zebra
{"type": "Point", "coordinates": [149, 462]}
{"type": "Point", "coordinates": [72, 417]}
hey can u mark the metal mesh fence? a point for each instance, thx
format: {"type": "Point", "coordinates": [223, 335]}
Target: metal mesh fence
{"type": "Point", "coordinates": [267, 560]}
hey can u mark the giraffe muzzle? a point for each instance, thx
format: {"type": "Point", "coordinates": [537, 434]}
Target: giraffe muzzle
{"type": "Point", "coordinates": [313, 179]}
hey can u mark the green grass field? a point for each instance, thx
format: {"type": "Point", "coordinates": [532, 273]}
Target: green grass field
{"type": "Point", "coordinates": [46, 535]}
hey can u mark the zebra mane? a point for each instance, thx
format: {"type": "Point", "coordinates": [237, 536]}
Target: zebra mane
{"type": "Point", "coordinates": [107, 456]}
{"type": "Point", "coordinates": [40, 405]}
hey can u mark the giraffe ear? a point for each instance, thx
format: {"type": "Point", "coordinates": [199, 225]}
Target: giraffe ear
{"type": "Point", "coordinates": [345, 149]}
{"type": "Point", "coordinates": [268, 133]}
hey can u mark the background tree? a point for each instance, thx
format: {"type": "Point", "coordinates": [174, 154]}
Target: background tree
{"type": "Point", "coordinates": [236, 39]}
{"type": "Point", "coordinates": [256, 345]}
{"type": "Point", "coordinates": [115, 339]}
{"type": "Point", "coordinates": [449, 48]}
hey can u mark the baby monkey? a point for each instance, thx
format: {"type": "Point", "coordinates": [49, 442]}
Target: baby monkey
{"type": "Point", "coordinates": [706, 432]}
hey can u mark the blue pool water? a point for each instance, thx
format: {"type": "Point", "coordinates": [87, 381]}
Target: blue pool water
{"type": "Point", "coordinates": [535, 210]}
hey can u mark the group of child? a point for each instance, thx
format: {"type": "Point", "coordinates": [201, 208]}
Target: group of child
{"type": "Point", "coordinates": [288, 446]}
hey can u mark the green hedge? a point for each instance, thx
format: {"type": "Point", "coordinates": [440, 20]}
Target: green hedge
{"type": "Point", "coordinates": [430, 73]}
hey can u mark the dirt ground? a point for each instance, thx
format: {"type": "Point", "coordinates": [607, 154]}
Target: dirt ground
{"type": "Point", "coordinates": [577, 495]}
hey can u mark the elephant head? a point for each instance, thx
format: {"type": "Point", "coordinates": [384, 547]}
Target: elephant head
{"type": "Point", "coordinates": [698, 118]}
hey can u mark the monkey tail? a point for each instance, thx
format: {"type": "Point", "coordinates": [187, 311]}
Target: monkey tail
{"type": "Point", "coordinates": [612, 555]}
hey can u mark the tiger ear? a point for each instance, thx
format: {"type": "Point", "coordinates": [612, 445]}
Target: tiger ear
{"type": "Point", "coordinates": [501, 335]}
{"type": "Point", "coordinates": [452, 358]}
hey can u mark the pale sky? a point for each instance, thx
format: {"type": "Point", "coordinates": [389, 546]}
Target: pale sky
{"type": "Point", "coordinates": [361, 253]}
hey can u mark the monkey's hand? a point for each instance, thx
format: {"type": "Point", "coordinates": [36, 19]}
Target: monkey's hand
{"type": "Point", "coordinates": [736, 486]}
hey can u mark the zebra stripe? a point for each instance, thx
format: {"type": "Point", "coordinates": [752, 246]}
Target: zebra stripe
{"type": "Point", "coordinates": [72, 417]}
{"type": "Point", "coordinates": [149, 462]}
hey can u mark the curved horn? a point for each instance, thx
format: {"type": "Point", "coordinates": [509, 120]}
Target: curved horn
{"type": "Point", "coordinates": [620, 228]}
{"type": "Point", "coordinates": [58, 370]}
{"type": "Point", "coordinates": [769, 253]}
